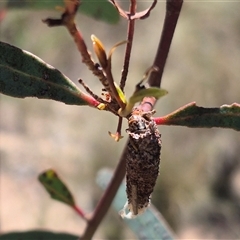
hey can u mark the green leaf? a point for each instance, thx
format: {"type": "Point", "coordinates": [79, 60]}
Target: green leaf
{"type": "Point", "coordinates": [120, 93]}
{"type": "Point", "coordinates": [23, 74]}
{"type": "Point", "coordinates": [138, 97]}
{"type": "Point", "coordinates": [36, 4]}
{"type": "Point", "coordinates": [190, 115]}
{"type": "Point", "coordinates": [150, 225]}
{"type": "Point", "coordinates": [56, 188]}
{"type": "Point", "coordinates": [99, 9]}
{"type": "Point", "coordinates": [147, 92]}
{"type": "Point", "coordinates": [38, 235]}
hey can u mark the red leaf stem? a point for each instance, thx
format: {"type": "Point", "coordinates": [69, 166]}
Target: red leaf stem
{"type": "Point", "coordinates": [80, 212]}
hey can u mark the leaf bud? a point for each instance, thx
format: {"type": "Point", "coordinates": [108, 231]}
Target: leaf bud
{"type": "Point", "coordinates": [99, 51]}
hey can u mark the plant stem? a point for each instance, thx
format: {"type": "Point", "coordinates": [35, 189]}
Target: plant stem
{"type": "Point", "coordinates": [86, 58]}
{"type": "Point", "coordinates": [107, 198]}
{"type": "Point", "coordinates": [80, 212]}
{"type": "Point", "coordinates": [173, 9]}
{"type": "Point", "coordinates": [131, 25]}
{"type": "Point", "coordinates": [113, 93]}
{"type": "Point", "coordinates": [172, 13]}
{"type": "Point", "coordinates": [147, 104]}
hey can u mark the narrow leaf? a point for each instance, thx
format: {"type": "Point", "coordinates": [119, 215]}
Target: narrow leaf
{"type": "Point", "coordinates": [150, 225]}
{"type": "Point", "coordinates": [99, 9]}
{"type": "Point", "coordinates": [56, 188]}
{"type": "Point", "coordinates": [113, 49]}
{"type": "Point", "coordinates": [37, 235]}
{"type": "Point", "coordinates": [120, 93]}
{"type": "Point", "coordinates": [23, 74]}
{"type": "Point", "coordinates": [190, 115]}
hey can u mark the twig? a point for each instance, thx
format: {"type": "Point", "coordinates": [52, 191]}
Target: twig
{"type": "Point", "coordinates": [131, 25]}
{"type": "Point", "coordinates": [107, 198]}
{"type": "Point", "coordinates": [86, 58]}
{"type": "Point", "coordinates": [171, 17]}
{"type": "Point", "coordinates": [67, 20]}
{"type": "Point", "coordinates": [147, 104]}
{"type": "Point", "coordinates": [114, 94]}
{"type": "Point", "coordinates": [173, 10]}
{"type": "Point", "coordinates": [80, 212]}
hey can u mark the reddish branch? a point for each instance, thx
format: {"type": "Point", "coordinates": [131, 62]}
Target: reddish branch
{"type": "Point", "coordinates": [68, 20]}
{"type": "Point", "coordinates": [173, 10]}
{"type": "Point", "coordinates": [107, 198]}
{"type": "Point", "coordinates": [131, 25]}
{"type": "Point", "coordinates": [172, 13]}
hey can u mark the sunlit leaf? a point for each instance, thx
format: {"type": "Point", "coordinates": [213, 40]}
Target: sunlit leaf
{"type": "Point", "coordinates": [37, 235]}
{"type": "Point", "coordinates": [98, 9]}
{"type": "Point", "coordinates": [120, 93]}
{"type": "Point", "coordinates": [23, 74]}
{"type": "Point", "coordinates": [56, 188]}
{"type": "Point", "coordinates": [190, 115]}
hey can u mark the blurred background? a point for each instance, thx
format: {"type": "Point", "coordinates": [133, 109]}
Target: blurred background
{"type": "Point", "coordinates": [198, 190]}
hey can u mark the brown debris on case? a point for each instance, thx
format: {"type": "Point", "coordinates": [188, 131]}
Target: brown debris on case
{"type": "Point", "coordinates": [142, 162]}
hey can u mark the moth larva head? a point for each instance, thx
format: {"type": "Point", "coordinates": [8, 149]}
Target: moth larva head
{"type": "Point", "coordinates": [136, 123]}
